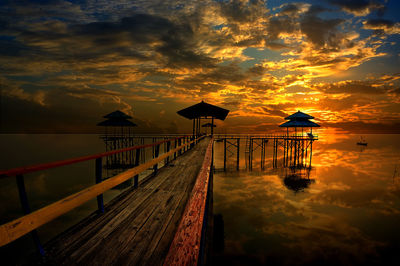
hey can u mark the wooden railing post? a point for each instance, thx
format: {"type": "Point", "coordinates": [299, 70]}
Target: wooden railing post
{"type": "Point", "coordinates": [179, 144]}
{"type": "Point", "coordinates": [136, 177]}
{"type": "Point", "coordinates": [26, 209]}
{"type": "Point", "coordinates": [168, 148]}
{"type": "Point", "coordinates": [175, 144]}
{"type": "Point", "coordinates": [156, 152]}
{"type": "Point", "coordinates": [99, 177]}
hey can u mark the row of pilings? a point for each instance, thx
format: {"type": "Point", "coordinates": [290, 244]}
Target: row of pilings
{"type": "Point", "coordinates": [286, 151]}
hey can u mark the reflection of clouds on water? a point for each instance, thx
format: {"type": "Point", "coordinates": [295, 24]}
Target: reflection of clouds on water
{"type": "Point", "coordinates": [348, 216]}
{"type": "Point", "coordinates": [322, 239]}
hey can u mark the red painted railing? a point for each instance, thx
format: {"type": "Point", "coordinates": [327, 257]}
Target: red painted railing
{"type": "Point", "coordinates": [32, 220]}
{"type": "Point", "coordinates": [45, 166]}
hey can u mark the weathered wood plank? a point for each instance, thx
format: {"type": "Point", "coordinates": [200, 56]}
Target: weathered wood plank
{"type": "Point", "coordinates": [139, 227]}
{"type": "Point", "coordinates": [21, 226]}
{"type": "Point", "coordinates": [185, 247]}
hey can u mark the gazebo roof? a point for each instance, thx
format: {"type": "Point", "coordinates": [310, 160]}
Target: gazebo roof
{"type": "Point", "coordinates": [301, 123]}
{"type": "Point", "coordinates": [208, 125]}
{"type": "Point", "coordinates": [117, 115]}
{"type": "Point", "coordinates": [299, 115]}
{"type": "Point", "coordinates": [117, 123]}
{"type": "Point", "coordinates": [203, 109]}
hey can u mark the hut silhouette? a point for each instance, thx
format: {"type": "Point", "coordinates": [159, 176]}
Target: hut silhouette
{"type": "Point", "coordinates": [299, 120]}
{"type": "Point", "coordinates": [118, 134]}
{"type": "Point", "coordinates": [203, 110]}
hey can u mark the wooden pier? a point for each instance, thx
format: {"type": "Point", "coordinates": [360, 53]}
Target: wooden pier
{"type": "Point", "coordinates": [162, 219]}
{"type": "Point", "coordinates": [296, 150]}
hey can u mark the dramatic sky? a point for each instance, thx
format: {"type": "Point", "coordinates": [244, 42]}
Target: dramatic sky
{"type": "Point", "coordinates": [65, 64]}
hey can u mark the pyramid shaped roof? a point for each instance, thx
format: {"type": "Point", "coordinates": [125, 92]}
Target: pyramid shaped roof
{"type": "Point", "coordinates": [117, 114]}
{"type": "Point", "coordinates": [299, 116]}
{"type": "Point", "coordinates": [203, 109]}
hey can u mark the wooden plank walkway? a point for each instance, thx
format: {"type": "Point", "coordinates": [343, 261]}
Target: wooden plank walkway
{"type": "Point", "coordinates": [139, 225]}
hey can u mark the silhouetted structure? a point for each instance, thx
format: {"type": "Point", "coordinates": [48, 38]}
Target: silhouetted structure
{"type": "Point", "coordinates": [118, 134]}
{"type": "Point", "coordinates": [207, 125]}
{"type": "Point", "coordinates": [299, 120]}
{"type": "Point", "coordinates": [295, 147]}
{"type": "Point", "coordinates": [203, 110]}
{"type": "Point", "coordinates": [298, 146]}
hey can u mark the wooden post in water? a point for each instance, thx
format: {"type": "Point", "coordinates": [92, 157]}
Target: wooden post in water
{"type": "Point", "coordinates": [310, 154]}
{"type": "Point", "coordinates": [224, 154]}
{"type": "Point", "coordinates": [274, 154]}
{"type": "Point", "coordinates": [237, 155]}
{"type": "Point", "coordinates": [251, 153]}
{"type": "Point", "coordinates": [262, 153]}
{"type": "Point", "coordinates": [284, 152]}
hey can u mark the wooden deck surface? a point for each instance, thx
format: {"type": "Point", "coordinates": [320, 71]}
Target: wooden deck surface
{"type": "Point", "coordinates": [138, 226]}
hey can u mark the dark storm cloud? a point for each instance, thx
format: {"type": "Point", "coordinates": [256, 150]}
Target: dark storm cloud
{"type": "Point", "coordinates": [359, 7]}
{"type": "Point", "coordinates": [319, 31]}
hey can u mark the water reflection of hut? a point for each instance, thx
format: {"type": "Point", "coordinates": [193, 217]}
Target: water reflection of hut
{"type": "Point", "coordinates": [203, 110]}
{"type": "Point", "coordinates": [118, 134]}
{"type": "Point", "coordinates": [298, 180]}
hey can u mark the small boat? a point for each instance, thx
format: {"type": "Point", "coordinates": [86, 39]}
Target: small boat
{"type": "Point", "coordinates": [362, 142]}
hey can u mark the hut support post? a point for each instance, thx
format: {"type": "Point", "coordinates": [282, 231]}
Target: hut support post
{"type": "Point", "coordinates": [212, 126]}
{"type": "Point", "coordinates": [224, 154]}
{"type": "Point", "coordinates": [99, 168]}
{"type": "Point", "coordinates": [251, 154]}
{"type": "Point", "coordinates": [310, 154]}
{"type": "Point", "coordinates": [194, 129]}
{"type": "Point", "coordinates": [26, 209]}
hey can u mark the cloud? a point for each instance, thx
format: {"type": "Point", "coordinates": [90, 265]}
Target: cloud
{"type": "Point", "coordinates": [382, 26]}
{"type": "Point", "coordinates": [359, 7]}
{"type": "Point", "coordinates": [260, 62]}
{"type": "Point", "coordinates": [319, 31]}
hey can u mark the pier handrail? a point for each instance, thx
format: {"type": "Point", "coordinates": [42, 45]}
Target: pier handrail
{"type": "Point", "coordinates": [189, 240]}
{"type": "Point", "coordinates": [19, 227]}
{"type": "Point", "coordinates": [45, 166]}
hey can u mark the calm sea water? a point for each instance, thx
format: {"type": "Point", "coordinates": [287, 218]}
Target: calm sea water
{"type": "Point", "coordinates": [347, 211]}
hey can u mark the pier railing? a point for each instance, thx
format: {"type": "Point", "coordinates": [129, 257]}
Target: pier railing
{"type": "Point", "coordinates": [28, 223]}
{"type": "Point", "coordinates": [267, 136]}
